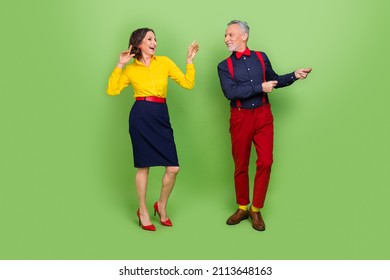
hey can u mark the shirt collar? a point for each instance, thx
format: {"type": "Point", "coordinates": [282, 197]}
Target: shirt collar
{"type": "Point", "coordinates": [140, 63]}
{"type": "Point", "coordinates": [247, 52]}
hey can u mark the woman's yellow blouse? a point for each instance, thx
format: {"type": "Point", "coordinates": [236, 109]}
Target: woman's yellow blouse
{"type": "Point", "coordinates": [150, 80]}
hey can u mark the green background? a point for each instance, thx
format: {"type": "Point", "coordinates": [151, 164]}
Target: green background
{"type": "Point", "coordinates": [67, 181]}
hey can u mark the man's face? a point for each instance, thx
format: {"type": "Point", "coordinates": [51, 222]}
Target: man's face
{"type": "Point", "coordinates": [235, 38]}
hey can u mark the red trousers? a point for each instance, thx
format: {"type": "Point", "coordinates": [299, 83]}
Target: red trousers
{"type": "Point", "coordinates": [249, 126]}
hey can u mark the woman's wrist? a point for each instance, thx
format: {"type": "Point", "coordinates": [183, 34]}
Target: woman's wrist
{"type": "Point", "coordinates": [120, 65]}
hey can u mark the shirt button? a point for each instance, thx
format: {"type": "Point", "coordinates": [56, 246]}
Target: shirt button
{"type": "Point", "coordinates": [251, 81]}
{"type": "Point", "coordinates": [249, 69]}
{"type": "Point", "coordinates": [244, 57]}
{"type": "Point", "coordinates": [253, 104]}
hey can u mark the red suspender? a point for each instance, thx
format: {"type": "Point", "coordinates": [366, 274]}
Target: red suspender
{"type": "Point", "coordinates": [231, 71]}
{"type": "Point", "coordinates": [230, 66]}
{"type": "Point", "coordinates": [263, 96]}
{"type": "Point", "coordinates": [262, 63]}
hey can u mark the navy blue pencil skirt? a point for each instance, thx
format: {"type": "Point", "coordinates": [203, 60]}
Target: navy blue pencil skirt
{"type": "Point", "coordinates": [152, 135]}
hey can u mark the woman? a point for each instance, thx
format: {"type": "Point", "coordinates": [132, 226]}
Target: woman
{"type": "Point", "coordinates": [149, 126]}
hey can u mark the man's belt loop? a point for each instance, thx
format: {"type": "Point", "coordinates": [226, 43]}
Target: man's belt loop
{"type": "Point", "coordinates": [238, 104]}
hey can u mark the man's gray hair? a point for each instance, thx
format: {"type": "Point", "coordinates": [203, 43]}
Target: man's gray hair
{"type": "Point", "coordinates": [243, 24]}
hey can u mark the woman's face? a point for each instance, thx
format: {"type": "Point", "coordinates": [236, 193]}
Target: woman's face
{"type": "Point", "coordinates": [149, 44]}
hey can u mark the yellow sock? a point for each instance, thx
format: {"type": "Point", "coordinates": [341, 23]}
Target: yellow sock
{"type": "Point", "coordinates": [254, 209]}
{"type": "Point", "coordinates": [243, 207]}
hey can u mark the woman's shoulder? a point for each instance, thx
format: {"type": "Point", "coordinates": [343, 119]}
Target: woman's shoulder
{"type": "Point", "coordinates": [165, 60]}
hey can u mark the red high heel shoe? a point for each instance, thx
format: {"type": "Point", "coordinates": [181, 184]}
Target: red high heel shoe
{"type": "Point", "coordinates": [148, 227]}
{"type": "Point", "coordinates": [166, 223]}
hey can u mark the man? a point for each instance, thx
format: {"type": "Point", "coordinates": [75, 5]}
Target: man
{"type": "Point", "coordinates": [246, 78]}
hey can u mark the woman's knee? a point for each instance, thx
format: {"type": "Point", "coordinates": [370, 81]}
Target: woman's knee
{"type": "Point", "coordinates": [144, 170]}
{"type": "Point", "coordinates": [173, 169]}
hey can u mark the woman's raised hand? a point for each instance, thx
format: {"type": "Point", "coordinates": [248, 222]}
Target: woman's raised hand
{"type": "Point", "coordinates": [192, 50]}
{"type": "Point", "coordinates": [125, 57]}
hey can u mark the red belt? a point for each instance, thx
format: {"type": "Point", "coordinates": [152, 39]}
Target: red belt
{"type": "Point", "coordinates": [151, 99]}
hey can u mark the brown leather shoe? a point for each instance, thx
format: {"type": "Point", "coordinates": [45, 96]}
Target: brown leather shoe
{"type": "Point", "coordinates": [237, 217]}
{"type": "Point", "coordinates": [257, 220]}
